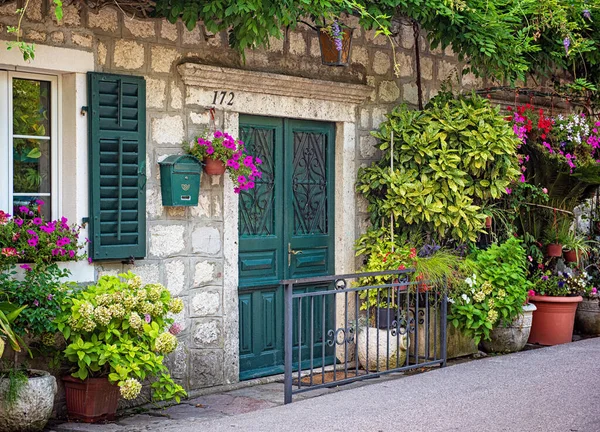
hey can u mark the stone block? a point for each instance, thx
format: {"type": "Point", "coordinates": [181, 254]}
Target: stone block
{"type": "Point", "coordinates": [167, 240]}
{"type": "Point", "coordinates": [177, 361]}
{"type": "Point", "coordinates": [367, 147]}
{"type": "Point", "coordinates": [163, 59]}
{"type": "Point", "coordinates": [379, 117]}
{"type": "Point", "coordinates": [176, 96]}
{"type": "Point", "coordinates": [106, 19]}
{"type": "Point", "coordinates": [206, 368]}
{"type": "Point", "coordinates": [34, 10]}
{"type": "Point", "coordinates": [176, 276]}
{"type": "Point", "coordinates": [206, 240]}
{"type": "Point", "coordinates": [388, 91]}
{"type": "Point", "coordinates": [82, 39]}
{"type": "Point", "coordinates": [206, 302]}
{"type": "Point", "coordinates": [360, 55]}
{"type": "Point", "coordinates": [167, 130]}
{"type": "Point", "coordinates": [144, 29]}
{"type": "Point", "coordinates": [203, 208]}
{"type": "Point", "coordinates": [57, 37]}
{"type": "Point", "coordinates": [297, 43]}
{"type": "Point", "coordinates": [407, 37]}
{"type": "Point", "coordinates": [168, 31]}
{"type": "Point", "coordinates": [194, 37]}
{"type": "Point", "coordinates": [275, 44]}
{"type": "Point", "coordinates": [426, 68]}
{"type": "Point", "coordinates": [155, 92]}
{"type": "Point", "coordinates": [128, 54]}
{"type": "Point", "coordinates": [70, 18]}
{"type": "Point", "coordinates": [154, 207]}
{"type": "Point", "coordinates": [365, 118]}
{"type": "Point", "coordinates": [207, 272]}
{"type": "Point", "coordinates": [149, 273]}
{"type": "Point", "coordinates": [35, 36]}
{"type": "Point", "coordinates": [9, 9]}
{"type": "Point", "coordinates": [404, 65]}
{"type": "Point", "coordinates": [177, 212]}
{"type": "Point", "coordinates": [376, 39]}
{"type": "Point", "coordinates": [410, 93]}
{"type": "Point", "coordinates": [102, 52]}
{"type": "Point", "coordinates": [381, 63]}
{"type": "Point", "coordinates": [315, 49]}
{"type": "Point", "coordinates": [207, 333]}
{"type": "Point", "coordinates": [445, 70]}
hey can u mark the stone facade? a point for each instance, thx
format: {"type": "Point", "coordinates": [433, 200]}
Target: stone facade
{"type": "Point", "coordinates": [189, 249]}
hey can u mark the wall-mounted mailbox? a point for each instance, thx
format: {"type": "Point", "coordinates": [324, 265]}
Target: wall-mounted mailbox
{"type": "Point", "coordinates": [180, 180]}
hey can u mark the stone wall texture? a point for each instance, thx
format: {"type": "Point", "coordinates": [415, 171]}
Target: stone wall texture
{"type": "Point", "coordinates": [185, 245]}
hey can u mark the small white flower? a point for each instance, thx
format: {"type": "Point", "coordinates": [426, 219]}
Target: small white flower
{"type": "Point", "coordinates": [450, 300]}
{"type": "Point", "coordinates": [466, 298]}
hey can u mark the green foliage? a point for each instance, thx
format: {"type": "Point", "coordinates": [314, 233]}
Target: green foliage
{"type": "Point", "coordinates": [450, 160]}
{"type": "Point", "coordinates": [118, 329]}
{"type": "Point", "coordinates": [17, 379]}
{"type": "Point", "coordinates": [8, 314]}
{"type": "Point", "coordinates": [552, 284]}
{"type": "Point", "coordinates": [495, 293]}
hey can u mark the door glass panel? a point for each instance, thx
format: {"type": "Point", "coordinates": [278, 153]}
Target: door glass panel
{"type": "Point", "coordinates": [309, 183]}
{"type": "Point", "coordinates": [31, 107]}
{"type": "Point", "coordinates": [257, 216]}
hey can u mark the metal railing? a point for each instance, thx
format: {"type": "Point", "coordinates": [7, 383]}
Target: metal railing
{"type": "Point", "coordinates": [337, 333]}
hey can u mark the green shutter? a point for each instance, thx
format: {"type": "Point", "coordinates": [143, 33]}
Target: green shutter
{"type": "Point", "coordinates": [117, 147]}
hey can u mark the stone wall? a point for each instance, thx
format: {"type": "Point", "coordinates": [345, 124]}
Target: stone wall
{"type": "Point", "coordinates": [185, 245]}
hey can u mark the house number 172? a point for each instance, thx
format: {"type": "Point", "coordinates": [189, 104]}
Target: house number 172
{"type": "Point", "coordinates": [223, 98]}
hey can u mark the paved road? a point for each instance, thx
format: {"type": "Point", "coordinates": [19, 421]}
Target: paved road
{"type": "Point", "coordinates": [554, 389]}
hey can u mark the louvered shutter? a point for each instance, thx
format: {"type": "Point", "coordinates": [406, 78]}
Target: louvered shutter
{"type": "Point", "coordinates": [117, 146]}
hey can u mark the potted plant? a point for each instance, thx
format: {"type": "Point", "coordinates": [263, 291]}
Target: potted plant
{"type": "Point", "coordinates": [497, 290]}
{"type": "Point", "coordinates": [575, 246]}
{"type": "Point", "coordinates": [117, 334]}
{"type": "Point", "coordinates": [555, 296]}
{"type": "Point", "coordinates": [223, 153]}
{"type": "Point", "coordinates": [335, 41]}
{"type": "Point", "coordinates": [587, 317]}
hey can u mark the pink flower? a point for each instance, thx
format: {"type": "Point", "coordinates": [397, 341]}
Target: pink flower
{"type": "Point", "coordinates": [522, 179]}
{"type": "Point", "coordinates": [508, 191]}
{"type": "Point", "coordinates": [175, 329]}
{"type": "Point", "coordinates": [148, 318]}
{"type": "Point", "coordinates": [236, 190]}
{"type": "Point", "coordinates": [33, 242]}
{"type": "Point", "coordinates": [26, 267]}
{"type": "Point", "coordinates": [233, 164]}
{"type": "Point", "coordinates": [250, 185]}
{"type": "Point", "coordinates": [89, 260]}
{"type": "Point", "coordinates": [594, 291]}
{"type": "Point", "coordinates": [531, 293]}
{"type": "Point", "coordinates": [71, 254]}
{"type": "Point", "coordinates": [248, 161]}
{"type": "Point", "coordinates": [529, 258]}
{"type": "Point", "coordinates": [50, 297]}
{"type": "Point", "coordinates": [210, 150]}
{"type": "Point", "coordinates": [9, 251]}
{"type": "Point", "coordinates": [545, 190]}
{"type": "Point", "coordinates": [24, 209]}
{"type": "Point", "coordinates": [36, 303]}
{"type": "Point", "coordinates": [19, 222]}
{"type": "Point", "coordinates": [241, 179]}
{"type": "Point", "coordinates": [258, 160]}
{"type": "Point", "coordinates": [39, 202]}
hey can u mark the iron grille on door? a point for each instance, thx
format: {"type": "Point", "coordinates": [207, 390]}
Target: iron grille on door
{"type": "Point", "coordinates": [117, 143]}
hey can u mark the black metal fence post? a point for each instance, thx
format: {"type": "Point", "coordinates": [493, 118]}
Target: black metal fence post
{"type": "Point", "coordinates": [288, 340]}
{"type": "Point", "coordinates": [444, 323]}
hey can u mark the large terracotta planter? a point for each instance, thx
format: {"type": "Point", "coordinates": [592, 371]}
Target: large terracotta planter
{"type": "Point", "coordinates": [512, 337]}
{"type": "Point", "coordinates": [554, 250]}
{"type": "Point", "coordinates": [34, 404]}
{"type": "Point", "coordinates": [378, 339]}
{"type": "Point", "coordinates": [587, 318]}
{"type": "Point", "coordinates": [553, 320]}
{"type": "Point", "coordinates": [214, 166]}
{"type": "Point", "coordinates": [91, 400]}
{"type": "Point", "coordinates": [570, 256]}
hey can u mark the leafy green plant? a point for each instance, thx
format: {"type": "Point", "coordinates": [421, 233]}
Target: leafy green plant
{"type": "Point", "coordinates": [578, 243]}
{"type": "Point", "coordinates": [450, 160]}
{"type": "Point", "coordinates": [120, 329]}
{"type": "Point", "coordinates": [494, 294]}
{"type": "Point", "coordinates": [548, 283]}
{"type": "Point", "coordinates": [8, 314]}
{"type": "Point", "coordinates": [17, 379]}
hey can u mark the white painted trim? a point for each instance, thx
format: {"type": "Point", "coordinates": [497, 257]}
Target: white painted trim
{"type": "Point", "coordinates": [50, 59]}
{"type": "Point", "coordinates": [81, 271]}
{"type": "Point", "coordinates": [4, 149]}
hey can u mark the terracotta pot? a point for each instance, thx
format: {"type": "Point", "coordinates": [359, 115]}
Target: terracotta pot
{"type": "Point", "coordinates": [330, 55]}
{"type": "Point", "coordinates": [570, 256]}
{"type": "Point", "coordinates": [91, 400]}
{"type": "Point", "coordinates": [488, 222]}
{"type": "Point", "coordinates": [587, 318]}
{"type": "Point", "coordinates": [214, 166]}
{"type": "Point", "coordinates": [554, 250]}
{"type": "Point", "coordinates": [553, 320]}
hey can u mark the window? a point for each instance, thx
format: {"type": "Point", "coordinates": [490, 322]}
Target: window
{"type": "Point", "coordinates": [28, 142]}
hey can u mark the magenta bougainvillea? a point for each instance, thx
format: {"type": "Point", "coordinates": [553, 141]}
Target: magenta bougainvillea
{"type": "Point", "coordinates": [242, 167]}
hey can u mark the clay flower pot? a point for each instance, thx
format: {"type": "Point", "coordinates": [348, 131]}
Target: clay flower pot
{"type": "Point", "coordinates": [512, 337]}
{"type": "Point", "coordinates": [553, 320]}
{"type": "Point", "coordinates": [488, 222]}
{"type": "Point", "coordinates": [587, 318]}
{"type": "Point", "coordinates": [214, 166]}
{"type": "Point", "coordinates": [330, 55]}
{"type": "Point", "coordinates": [91, 400]}
{"type": "Point", "coordinates": [554, 250]}
{"type": "Point", "coordinates": [570, 256]}
{"type": "Point", "coordinates": [34, 405]}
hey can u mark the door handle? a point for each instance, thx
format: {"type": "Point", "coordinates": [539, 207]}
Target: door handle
{"type": "Point", "coordinates": [292, 252]}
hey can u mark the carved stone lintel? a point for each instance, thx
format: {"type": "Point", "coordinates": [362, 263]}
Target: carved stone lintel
{"type": "Point", "coordinates": [214, 77]}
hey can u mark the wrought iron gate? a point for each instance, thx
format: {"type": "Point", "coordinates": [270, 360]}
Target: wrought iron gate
{"type": "Point", "coordinates": [394, 326]}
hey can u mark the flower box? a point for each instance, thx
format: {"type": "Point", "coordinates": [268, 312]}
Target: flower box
{"type": "Point", "coordinates": [81, 271]}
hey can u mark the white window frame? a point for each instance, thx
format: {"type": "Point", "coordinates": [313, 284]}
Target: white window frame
{"type": "Point", "coordinates": [6, 138]}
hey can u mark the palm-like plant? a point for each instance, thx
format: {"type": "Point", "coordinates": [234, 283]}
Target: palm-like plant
{"type": "Point", "coordinates": [8, 314]}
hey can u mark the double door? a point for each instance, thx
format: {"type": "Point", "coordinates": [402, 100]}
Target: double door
{"type": "Point", "coordinates": [285, 232]}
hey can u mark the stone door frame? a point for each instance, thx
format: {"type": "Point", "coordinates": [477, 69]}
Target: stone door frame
{"type": "Point", "coordinates": [267, 94]}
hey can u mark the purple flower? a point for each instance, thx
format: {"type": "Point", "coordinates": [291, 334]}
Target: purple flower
{"type": "Point", "coordinates": [258, 160]}
{"type": "Point", "coordinates": [33, 242]}
{"type": "Point", "coordinates": [544, 278]}
{"type": "Point", "coordinates": [24, 209]}
{"type": "Point", "coordinates": [241, 179]}
{"type": "Point", "coordinates": [587, 14]}
{"type": "Point", "coordinates": [248, 161]}
{"type": "Point", "coordinates": [48, 229]}
{"type": "Point", "coordinates": [36, 303]}
{"type": "Point", "coordinates": [594, 290]}
{"type": "Point", "coordinates": [175, 329]}
{"type": "Point", "coordinates": [210, 150]}
{"type": "Point", "coordinates": [508, 191]}
{"type": "Point", "coordinates": [37, 221]}
{"type": "Point", "coordinates": [71, 253]}
{"type": "Point", "coordinates": [336, 33]}
{"type": "Point", "coordinates": [561, 284]}
{"type": "Point", "coordinates": [50, 297]}
{"type": "Point", "coordinates": [19, 222]}
{"type": "Point", "coordinates": [148, 318]}
{"type": "Point", "coordinates": [39, 202]}
{"type": "Point", "coordinates": [89, 260]}
{"type": "Point", "coordinates": [26, 267]}
{"type": "Point", "coordinates": [567, 44]}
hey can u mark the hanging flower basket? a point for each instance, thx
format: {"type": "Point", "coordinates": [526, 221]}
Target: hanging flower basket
{"type": "Point", "coordinates": [336, 45]}
{"type": "Point", "coordinates": [214, 166]}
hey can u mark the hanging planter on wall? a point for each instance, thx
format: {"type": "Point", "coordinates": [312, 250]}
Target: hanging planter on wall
{"type": "Point", "coordinates": [336, 44]}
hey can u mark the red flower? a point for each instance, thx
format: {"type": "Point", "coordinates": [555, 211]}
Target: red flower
{"type": "Point", "coordinates": [413, 253]}
{"type": "Point", "coordinates": [401, 267]}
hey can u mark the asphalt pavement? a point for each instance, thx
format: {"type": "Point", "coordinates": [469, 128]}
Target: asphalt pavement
{"type": "Point", "coordinates": [554, 389]}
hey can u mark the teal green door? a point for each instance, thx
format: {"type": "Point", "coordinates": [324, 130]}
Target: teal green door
{"type": "Point", "coordinates": [285, 231]}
